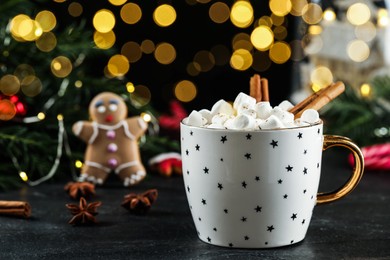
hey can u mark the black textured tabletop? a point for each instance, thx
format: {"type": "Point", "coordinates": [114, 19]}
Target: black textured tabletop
{"type": "Point", "coordinates": [355, 227]}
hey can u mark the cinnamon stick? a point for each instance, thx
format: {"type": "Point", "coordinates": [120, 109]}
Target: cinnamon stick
{"type": "Point", "coordinates": [15, 208]}
{"type": "Point", "coordinates": [264, 89]}
{"type": "Point", "coordinates": [318, 100]}
{"type": "Point", "coordinates": [255, 87]}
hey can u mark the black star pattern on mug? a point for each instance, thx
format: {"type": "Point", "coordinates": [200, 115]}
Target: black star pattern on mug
{"type": "Point", "coordinates": [274, 143]}
{"type": "Point", "coordinates": [244, 184]}
{"type": "Point", "coordinates": [188, 172]}
{"type": "Point", "coordinates": [289, 168]}
{"type": "Point", "coordinates": [221, 159]}
{"type": "Point", "coordinates": [280, 181]}
{"type": "Point", "coordinates": [215, 229]}
{"type": "Point", "coordinates": [243, 219]}
{"type": "Point", "coordinates": [305, 151]}
{"type": "Point", "coordinates": [200, 219]}
{"type": "Point", "coordinates": [209, 239]}
{"type": "Point", "coordinates": [299, 135]}
{"type": "Point", "coordinates": [318, 131]}
{"type": "Point", "coordinates": [223, 139]}
{"type": "Point", "coordinates": [270, 228]}
{"type": "Point", "coordinates": [257, 178]}
{"type": "Point", "coordinates": [294, 216]}
{"type": "Point", "coordinates": [231, 244]}
{"type": "Point", "coordinates": [285, 196]}
{"type": "Point", "coordinates": [304, 170]}
{"type": "Point", "coordinates": [191, 133]}
{"type": "Point", "coordinates": [226, 211]}
{"type": "Point", "coordinates": [246, 238]}
{"type": "Point", "coordinates": [292, 241]}
{"type": "Point", "coordinates": [197, 147]}
{"type": "Point", "coordinates": [303, 221]}
{"type": "Point", "coordinates": [188, 188]}
{"type": "Point", "coordinates": [304, 191]}
{"type": "Point", "coordinates": [318, 165]}
{"type": "Point", "coordinates": [248, 136]}
{"type": "Point", "coordinates": [248, 156]}
{"type": "Point", "coordinates": [220, 186]}
{"type": "Point", "coordinates": [206, 170]}
{"type": "Point", "coordinates": [204, 202]}
{"type": "Point", "coordinates": [258, 208]}
{"type": "Point", "coordinates": [187, 152]}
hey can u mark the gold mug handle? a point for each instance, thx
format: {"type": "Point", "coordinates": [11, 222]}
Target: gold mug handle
{"type": "Point", "coordinates": [335, 140]}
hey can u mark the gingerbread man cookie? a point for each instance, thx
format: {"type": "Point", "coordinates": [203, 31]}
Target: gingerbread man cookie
{"type": "Point", "coordinates": [111, 140]}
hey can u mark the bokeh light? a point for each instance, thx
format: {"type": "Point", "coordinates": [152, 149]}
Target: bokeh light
{"type": "Point", "coordinates": [297, 7]}
{"type": "Point", "coordinates": [262, 37]}
{"type": "Point", "coordinates": [329, 15]}
{"type": "Point", "coordinates": [280, 7]}
{"type": "Point", "coordinates": [23, 28]}
{"type": "Point", "coordinates": [193, 69]}
{"type": "Point", "coordinates": [165, 53]}
{"type": "Point", "coordinates": [219, 12]}
{"type": "Point", "coordinates": [280, 32]}
{"type": "Point", "coordinates": [164, 15]}
{"type": "Point", "coordinates": [104, 21]}
{"type": "Point", "coordinates": [130, 87]}
{"type": "Point", "coordinates": [132, 51]}
{"type": "Point", "coordinates": [312, 13]}
{"type": "Point", "coordinates": [47, 20]}
{"type": "Point", "coordinates": [78, 83]}
{"type": "Point", "coordinates": [366, 32]}
{"type": "Point", "coordinates": [31, 86]}
{"type": "Point", "coordinates": [280, 52]}
{"type": "Point", "coordinates": [104, 40]}
{"type": "Point", "coordinates": [241, 59]}
{"type": "Point", "coordinates": [9, 85]}
{"type": "Point", "coordinates": [382, 17]}
{"type": "Point", "coordinates": [241, 14]}
{"type": "Point", "coordinates": [277, 20]}
{"type": "Point", "coordinates": [265, 20]}
{"type": "Point", "coordinates": [7, 110]}
{"type": "Point", "coordinates": [358, 14]}
{"type": "Point", "coordinates": [118, 65]}
{"type": "Point", "coordinates": [61, 66]}
{"type": "Point", "coordinates": [205, 60]}
{"type": "Point", "coordinates": [117, 2]}
{"type": "Point", "coordinates": [185, 91]}
{"type": "Point", "coordinates": [358, 50]}
{"type": "Point", "coordinates": [147, 46]}
{"type": "Point", "coordinates": [242, 41]}
{"type": "Point", "coordinates": [140, 96]}
{"type": "Point", "coordinates": [321, 76]}
{"type": "Point", "coordinates": [365, 90]}
{"type": "Point", "coordinates": [47, 42]}
{"type": "Point", "coordinates": [131, 13]}
{"type": "Point", "coordinates": [23, 70]}
{"type": "Point", "coordinates": [75, 9]}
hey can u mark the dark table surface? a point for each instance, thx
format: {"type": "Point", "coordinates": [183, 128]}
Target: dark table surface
{"type": "Point", "coordinates": [355, 227]}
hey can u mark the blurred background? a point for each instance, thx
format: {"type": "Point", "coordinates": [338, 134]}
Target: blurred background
{"type": "Point", "coordinates": [166, 58]}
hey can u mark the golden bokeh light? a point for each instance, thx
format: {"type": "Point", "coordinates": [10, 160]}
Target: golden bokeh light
{"type": "Point", "coordinates": [280, 52]}
{"type": "Point", "coordinates": [31, 86]}
{"type": "Point", "coordinates": [382, 17]}
{"type": "Point", "coordinates": [165, 53]}
{"type": "Point", "coordinates": [277, 20]}
{"type": "Point", "coordinates": [146, 117]}
{"type": "Point", "coordinates": [262, 37]}
{"type": "Point", "coordinates": [147, 46]}
{"type": "Point", "coordinates": [321, 76]}
{"type": "Point", "coordinates": [241, 14]}
{"type": "Point", "coordinates": [78, 164]}
{"type": "Point", "coordinates": [23, 176]}
{"type": "Point", "coordinates": [297, 7]}
{"type": "Point", "coordinates": [312, 13]}
{"type": "Point", "coordinates": [104, 40]}
{"type": "Point", "coordinates": [185, 91]}
{"type": "Point", "coordinates": [59, 1]}
{"type": "Point", "coordinates": [329, 15]}
{"type": "Point", "coordinates": [130, 87]}
{"type": "Point", "coordinates": [358, 50]}
{"type": "Point", "coordinates": [23, 28]}
{"type": "Point", "coordinates": [16, 24]}
{"type": "Point", "coordinates": [358, 14]}
{"type": "Point", "coordinates": [280, 7]}
{"type": "Point", "coordinates": [140, 96]}
{"type": "Point", "coordinates": [265, 20]}
{"type": "Point", "coordinates": [47, 42]}
{"type": "Point", "coordinates": [365, 90]}
{"type": "Point", "coordinates": [219, 12]}
{"type": "Point", "coordinates": [61, 66]}
{"type": "Point", "coordinates": [261, 61]}
{"type": "Point", "coordinates": [118, 65]}
{"type": "Point", "coordinates": [75, 9]}
{"type": "Point", "coordinates": [24, 70]}
{"type": "Point", "coordinates": [131, 13]}
{"type": "Point", "coordinates": [241, 60]}
{"type": "Point", "coordinates": [47, 20]}
{"type": "Point", "coordinates": [205, 60]}
{"type": "Point", "coordinates": [117, 2]}
{"type": "Point", "coordinates": [314, 29]}
{"type": "Point", "coordinates": [221, 54]}
{"type": "Point", "coordinates": [78, 83]}
{"type": "Point", "coordinates": [280, 33]}
{"type": "Point", "coordinates": [103, 21]}
{"type": "Point", "coordinates": [365, 32]}
{"type": "Point", "coordinates": [164, 15]}
{"type": "Point", "coordinates": [193, 69]}
{"type": "Point", "coordinates": [9, 85]}
{"type": "Point", "coordinates": [7, 110]}
{"type": "Point", "coordinates": [41, 116]}
{"type": "Point", "coordinates": [242, 41]}
{"type": "Point", "coordinates": [132, 51]}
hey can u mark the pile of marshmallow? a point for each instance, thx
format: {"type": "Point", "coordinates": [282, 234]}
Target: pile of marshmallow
{"type": "Point", "coordinates": [246, 114]}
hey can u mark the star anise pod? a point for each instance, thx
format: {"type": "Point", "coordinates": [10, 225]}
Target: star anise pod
{"type": "Point", "coordinates": [84, 213]}
{"type": "Point", "coordinates": [140, 203]}
{"type": "Point", "coordinates": [80, 189]}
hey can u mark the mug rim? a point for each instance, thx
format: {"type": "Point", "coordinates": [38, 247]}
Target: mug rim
{"type": "Point", "coordinates": [216, 130]}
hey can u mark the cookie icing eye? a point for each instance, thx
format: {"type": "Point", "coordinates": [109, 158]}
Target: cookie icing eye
{"type": "Point", "coordinates": [101, 109]}
{"type": "Point", "coordinates": [113, 107]}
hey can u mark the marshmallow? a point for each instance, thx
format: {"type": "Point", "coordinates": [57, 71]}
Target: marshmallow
{"type": "Point", "coordinates": [241, 122]}
{"type": "Point", "coordinates": [244, 101]}
{"type": "Point", "coordinates": [195, 119]}
{"type": "Point", "coordinates": [206, 114]}
{"type": "Point", "coordinates": [219, 119]}
{"type": "Point", "coordinates": [263, 110]}
{"type": "Point", "coordinates": [284, 116]}
{"type": "Point", "coordinates": [285, 105]}
{"type": "Point", "coordinates": [216, 126]}
{"type": "Point", "coordinates": [310, 116]}
{"type": "Point", "coordinates": [222, 107]}
{"type": "Point", "coordinates": [298, 122]}
{"type": "Point", "coordinates": [271, 122]}
{"type": "Point", "coordinates": [249, 112]}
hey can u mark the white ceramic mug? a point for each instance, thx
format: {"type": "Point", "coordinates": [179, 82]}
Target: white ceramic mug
{"type": "Point", "coordinates": [257, 189]}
